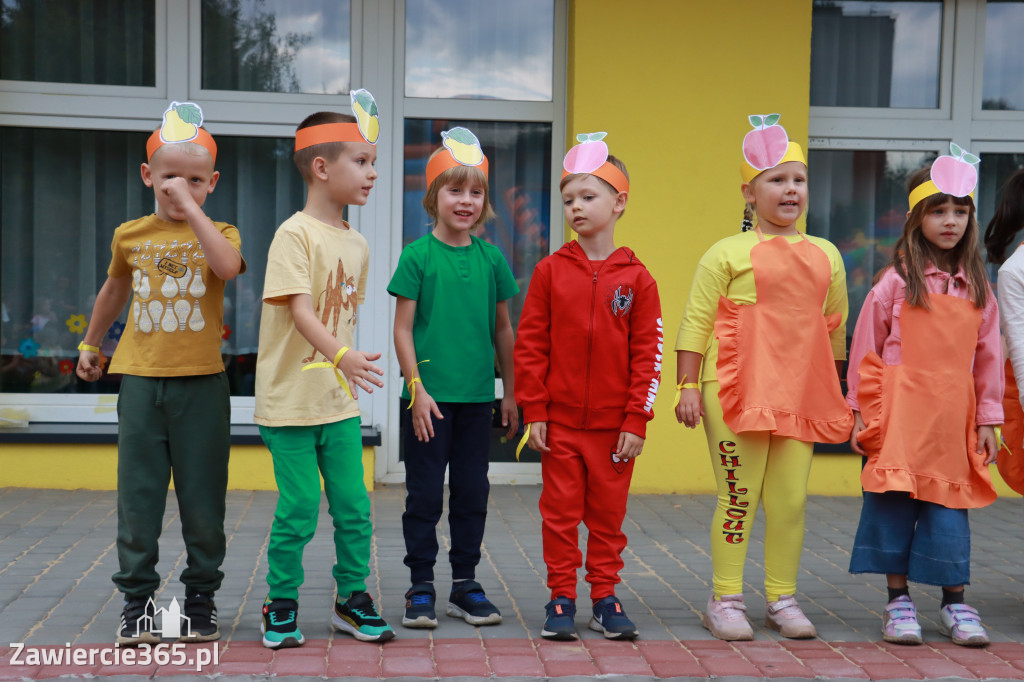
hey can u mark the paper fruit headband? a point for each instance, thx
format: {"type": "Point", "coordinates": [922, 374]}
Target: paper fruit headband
{"type": "Point", "coordinates": [591, 156]}
{"type": "Point", "coordinates": [955, 175]}
{"type": "Point", "coordinates": [766, 146]}
{"type": "Point", "coordinates": [461, 148]}
{"type": "Point", "coordinates": [182, 122]}
{"type": "Point", "coordinates": [365, 129]}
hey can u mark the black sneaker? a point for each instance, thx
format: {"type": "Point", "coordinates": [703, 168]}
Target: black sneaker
{"type": "Point", "coordinates": [560, 622]}
{"type": "Point", "coordinates": [419, 607]}
{"type": "Point", "coordinates": [137, 622]}
{"type": "Point", "coordinates": [201, 612]}
{"type": "Point", "coordinates": [610, 619]}
{"type": "Point", "coordinates": [358, 617]}
{"type": "Point", "coordinates": [468, 602]}
{"type": "Point", "coordinates": [280, 626]}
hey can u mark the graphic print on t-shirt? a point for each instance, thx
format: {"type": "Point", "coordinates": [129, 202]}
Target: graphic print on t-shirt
{"type": "Point", "coordinates": [167, 280]}
{"type": "Point", "coordinates": [339, 294]}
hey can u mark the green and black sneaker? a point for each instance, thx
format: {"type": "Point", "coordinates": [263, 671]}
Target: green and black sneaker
{"type": "Point", "coordinates": [280, 625]}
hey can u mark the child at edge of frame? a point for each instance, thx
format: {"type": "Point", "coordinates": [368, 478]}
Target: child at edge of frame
{"type": "Point", "coordinates": [592, 310]}
{"type": "Point", "coordinates": [310, 420]}
{"type": "Point", "coordinates": [451, 320]}
{"type": "Point", "coordinates": [929, 327]}
{"type": "Point", "coordinates": [759, 354]}
{"type": "Point", "coordinates": [174, 379]}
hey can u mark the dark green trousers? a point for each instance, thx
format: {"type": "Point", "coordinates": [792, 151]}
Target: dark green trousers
{"type": "Point", "coordinates": [180, 427]}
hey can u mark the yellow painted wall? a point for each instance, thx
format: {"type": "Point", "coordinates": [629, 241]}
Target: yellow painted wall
{"type": "Point", "coordinates": [94, 467]}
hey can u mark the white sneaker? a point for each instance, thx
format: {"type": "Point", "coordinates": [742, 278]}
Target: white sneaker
{"type": "Point", "coordinates": [963, 624]}
{"type": "Point", "coordinates": [726, 618]}
{"type": "Point", "coordinates": [785, 617]}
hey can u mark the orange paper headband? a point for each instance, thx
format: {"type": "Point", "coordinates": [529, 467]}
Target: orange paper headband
{"type": "Point", "coordinates": [203, 138]}
{"type": "Point", "coordinates": [610, 174]}
{"type": "Point", "coordinates": [590, 157]}
{"type": "Point", "coordinates": [327, 132]}
{"type": "Point", "coordinates": [461, 148]}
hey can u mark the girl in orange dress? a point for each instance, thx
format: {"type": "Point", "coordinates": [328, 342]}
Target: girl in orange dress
{"type": "Point", "coordinates": [927, 394]}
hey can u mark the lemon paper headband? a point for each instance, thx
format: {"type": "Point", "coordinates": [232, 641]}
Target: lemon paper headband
{"type": "Point", "coordinates": [955, 175]}
{"type": "Point", "coordinates": [461, 148]}
{"type": "Point", "coordinates": [591, 156]}
{"type": "Point", "coordinates": [182, 122]}
{"type": "Point", "coordinates": [766, 146]}
{"type": "Point", "coordinates": [365, 129]}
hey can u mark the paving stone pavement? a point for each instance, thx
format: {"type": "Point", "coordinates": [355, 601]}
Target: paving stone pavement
{"type": "Point", "coordinates": [57, 555]}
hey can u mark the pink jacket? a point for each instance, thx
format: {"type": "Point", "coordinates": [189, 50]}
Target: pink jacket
{"type": "Point", "coordinates": [878, 329]}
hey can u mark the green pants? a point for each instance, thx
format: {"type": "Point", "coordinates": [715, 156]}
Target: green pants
{"type": "Point", "coordinates": [178, 426]}
{"type": "Point", "coordinates": [301, 455]}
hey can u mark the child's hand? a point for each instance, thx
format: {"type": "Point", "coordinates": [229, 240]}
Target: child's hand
{"type": "Point", "coordinates": [987, 443]}
{"type": "Point", "coordinates": [690, 408]}
{"type": "Point", "coordinates": [510, 415]}
{"type": "Point", "coordinates": [630, 445]}
{"type": "Point", "coordinates": [422, 408]}
{"type": "Point", "coordinates": [89, 367]}
{"type": "Point", "coordinates": [539, 436]}
{"type": "Point", "coordinates": [858, 426]}
{"type": "Point", "coordinates": [358, 369]}
{"type": "Point", "coordinates": [176, 189]}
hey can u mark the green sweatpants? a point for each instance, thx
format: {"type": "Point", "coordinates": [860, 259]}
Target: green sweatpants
{"type": "Point", "coordinates": [178, 426]}
{"type": "Point", "coordinates": [301, 455]}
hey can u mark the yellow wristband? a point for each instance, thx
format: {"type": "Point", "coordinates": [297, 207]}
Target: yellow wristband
{"type": "Point", "coordinates": [340, 354]}
{"type": "Point", "coordinates": [412, 392]}
{"type": "Point", "coordinates": [679, 391]}
{"type": "Point", "coordinates": [523, 441]}
{"type": "Point", "coordinates": [84, 346]}
{"type": "Point", "coordinates": [337, 373]}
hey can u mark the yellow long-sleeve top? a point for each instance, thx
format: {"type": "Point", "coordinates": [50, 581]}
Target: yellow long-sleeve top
{"type": "Point", "coordinates": [726, 270]}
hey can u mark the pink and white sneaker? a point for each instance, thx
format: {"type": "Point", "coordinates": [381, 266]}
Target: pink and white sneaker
{"type": "Point", "coordinates": [785, 617]}
{"type": "Point", "coordinates": [963, 624]}
{"type": "Point", "coordinates": [726, 618]}
{"type": "Point", "coordinates": [899, 622]}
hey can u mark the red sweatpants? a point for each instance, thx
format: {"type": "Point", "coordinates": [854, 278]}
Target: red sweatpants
{"type": "Point", "coordinates": [583, 483]}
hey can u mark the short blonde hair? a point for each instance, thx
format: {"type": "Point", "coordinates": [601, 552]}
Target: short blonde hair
{"type": "Point", "coordinates": [457, 176]}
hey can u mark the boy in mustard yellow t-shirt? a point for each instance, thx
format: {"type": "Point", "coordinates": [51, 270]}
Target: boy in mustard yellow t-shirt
{"type": "Point", "coordinates": [173, 408]}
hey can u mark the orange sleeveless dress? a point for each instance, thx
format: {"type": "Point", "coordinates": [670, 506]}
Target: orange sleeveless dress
{"type": "Point", "coordinates": [920, 432]}
{"type": "Point", "coordinates": [776, 369]}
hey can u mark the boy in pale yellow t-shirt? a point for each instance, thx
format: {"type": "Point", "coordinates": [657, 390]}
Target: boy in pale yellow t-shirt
{"type": "Point", "coordinates": [316, 278]}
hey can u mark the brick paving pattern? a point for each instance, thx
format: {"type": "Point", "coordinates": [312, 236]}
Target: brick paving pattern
{"type": "Point", "coordinates": [57, 554]}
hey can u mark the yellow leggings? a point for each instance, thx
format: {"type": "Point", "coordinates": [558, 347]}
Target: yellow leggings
{"type": "Point", "coordinates": [751, 467]}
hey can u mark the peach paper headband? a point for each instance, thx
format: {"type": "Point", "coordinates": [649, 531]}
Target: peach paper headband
{"type": "Point", "coordinates": [955, 175]}
{"type": "Point", "coordinates": [461, 148]}
{"type": "Point", "coordinates": [591, 156]}
{"type": "Point", "coordinates": [182, 123]}
{"type": "Point", "coordinates": [365, 129]}
{"type": "Point", "coordinates": [766, 146]}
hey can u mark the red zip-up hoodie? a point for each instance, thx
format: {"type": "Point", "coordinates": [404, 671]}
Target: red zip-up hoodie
{"type": "Point", "coordinates": [590, 341]}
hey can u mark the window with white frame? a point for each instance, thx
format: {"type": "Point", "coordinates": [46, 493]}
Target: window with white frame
{"type": "Point", "coordinates": [82, 84]}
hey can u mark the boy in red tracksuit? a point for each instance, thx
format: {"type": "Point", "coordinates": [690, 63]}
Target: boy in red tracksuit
{"type": "Point", "coordinates": [587, 367]}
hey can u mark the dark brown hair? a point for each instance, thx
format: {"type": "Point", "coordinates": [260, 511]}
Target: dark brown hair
{"type": "Point", "coordinates": [913, 251]}
{"type": "Point", "coordinates": [1008, 219]}
{"type": "Point", "coordinates": [328, 150]}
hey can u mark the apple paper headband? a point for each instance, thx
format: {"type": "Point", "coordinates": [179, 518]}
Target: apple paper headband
{"type": "Point", "coordinates": [766, 146]}
{"type": "Point", "coordinates": [591, 156]}
{"type": "Point", "coordinates": [955, 175]}
{"type": "Point", "coordinates": [461, 148]}
{"type": "Point", "coordinates": [365, 129]}
{"type": "Point", "coordinates": [182, 122]}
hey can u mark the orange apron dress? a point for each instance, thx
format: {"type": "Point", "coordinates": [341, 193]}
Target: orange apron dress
{"type": "Point", "coordinates": [776, 369]}
{"type": "Point", "coordinates": [920, 432]}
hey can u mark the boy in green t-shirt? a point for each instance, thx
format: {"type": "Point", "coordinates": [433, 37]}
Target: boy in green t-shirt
{"type": "Point", "coordinates": [451, 316]}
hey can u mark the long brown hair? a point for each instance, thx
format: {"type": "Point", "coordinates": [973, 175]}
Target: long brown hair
{"type": "Point", "coordinates": [913, 251]}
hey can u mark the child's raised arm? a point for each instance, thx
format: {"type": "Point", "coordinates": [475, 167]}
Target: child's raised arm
{"type": "Point", "coordinates": [356, 365]}
{"type": "Point", "coordinates": [222, 257]}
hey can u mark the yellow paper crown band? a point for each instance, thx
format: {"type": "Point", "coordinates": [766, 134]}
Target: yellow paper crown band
{"type": "Point", "coordinates": [609, 173]}
{"type": "Point", "coordinates": [328, 132]}
{"type": "Point", "coordinates": [793, 153]}
{"type": "Point", "coordinates": [446, 161]}
{"type": "Point", "coordinates": [204, 139]}
{"type": "Point", "coordinates": [925, 190]}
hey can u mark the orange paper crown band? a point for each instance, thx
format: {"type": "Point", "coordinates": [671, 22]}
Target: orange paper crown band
{"type": "Point", "coordinates": [203, 139]}
{"type": "Point", "coordinates": [925, 190]}
{"type": "Point", "coordinates": [327, 132]}
{"type": "Point", "coordinates": [445, 161]}
{"type": "Point", "coordinates": [610, 174]}
{"type": "Point", "coordinates": [793, 153]}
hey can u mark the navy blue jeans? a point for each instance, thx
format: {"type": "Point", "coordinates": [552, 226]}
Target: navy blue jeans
{"type": "Point", "coordinates": [461, 443]}
{"type": "Point", "coordinates": [924, 541]}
